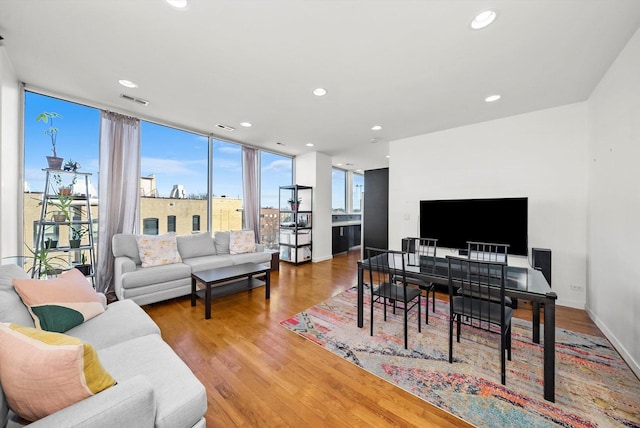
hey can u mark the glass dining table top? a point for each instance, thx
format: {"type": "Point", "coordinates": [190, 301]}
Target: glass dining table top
{"type": "Point", "coordinates": [436, 269]}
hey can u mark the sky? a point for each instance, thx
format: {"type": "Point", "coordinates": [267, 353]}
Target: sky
{"type": "Point", "coordinates": [175, 157]}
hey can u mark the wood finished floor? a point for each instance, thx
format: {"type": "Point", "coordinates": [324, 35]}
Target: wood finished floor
{"type": "Point", "coordinates": [259, 374]}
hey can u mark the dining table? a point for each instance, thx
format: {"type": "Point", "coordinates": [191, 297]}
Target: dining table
{"type": "Point", "coordinates": [524, 283]}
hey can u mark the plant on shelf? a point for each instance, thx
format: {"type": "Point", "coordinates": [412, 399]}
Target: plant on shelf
{"type": "Point", "coordinates": [46, 265]}
{"type": "Point", "coordinates": [46, 117]}
{"type": "Point", "coordinates": [71, 165]}
{"type": "Point", "coordinates": [83, 266]}
{"type": "Point", "coordinates": [295, 204]}
{"type": "Point", "coordinates": [77, 233]}
{"type": "Point", "coordinates": [62, 204]}
{"type": "Point", "coordinates": [65, 190]}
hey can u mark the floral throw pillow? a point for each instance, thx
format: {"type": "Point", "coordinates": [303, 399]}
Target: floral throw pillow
{"type": "Point", "coordinates": [242, 241]}
{"type": "Point", "coordinates": [158, 250]}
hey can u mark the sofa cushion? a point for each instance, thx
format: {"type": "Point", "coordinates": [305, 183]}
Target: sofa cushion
{"type": "Point", "coordinates": [242, 241]}
{"type": "Point", "coordinates": [43, 372]}
{"type": "Point", "coordinates": [125, 245]}
{"type": "Point", "coordinates": [123, 320]}
{"type": "Point", "coordinates": [61, 303]}
{"type": "Point", "coordinates": [155, 275]}
{"type": "Point", "coordinates": [199, 264]}
{"type": "Point", "coordinates": [222, 242]}
{"type": "Point", "coordinates": [200, 244]}
{"type": "Point", "coordinates": [261, 258]}
{"type": "Point", "coordinates": [11, 307]}
{"type": "Point", "coordinates": [158, 250]}
{"type": "Point", "coordinates": [181, 399]}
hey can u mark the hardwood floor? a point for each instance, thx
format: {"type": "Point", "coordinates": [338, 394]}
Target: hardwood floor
{"type": "Point", "coordinates": [259, 374]}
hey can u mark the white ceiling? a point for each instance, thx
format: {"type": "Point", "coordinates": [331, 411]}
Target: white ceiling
{"type": "Point", "coordinates": [412, 66]}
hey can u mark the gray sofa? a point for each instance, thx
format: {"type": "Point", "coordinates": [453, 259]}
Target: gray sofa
{"type": "Point", "coordinates": [199, 252]}
{"type": "Point", "coordinates": [155, 388]}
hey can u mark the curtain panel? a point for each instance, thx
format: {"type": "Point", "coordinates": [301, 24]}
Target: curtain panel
{"type": "Point", "coordinates": [251, 209]}
{"type": "Point", "coordinates": [118, 188]}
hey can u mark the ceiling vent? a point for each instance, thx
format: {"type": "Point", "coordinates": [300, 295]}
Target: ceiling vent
{"type": "Point", "coordinates": [225, 127]}
{"type": "Point", "coordinates": [135, 100]}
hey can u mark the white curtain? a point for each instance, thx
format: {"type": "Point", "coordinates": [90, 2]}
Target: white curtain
{"type": "Point", "coordinates": [250, 190]}
{"type": "Point", "coordinates": [118, 188]}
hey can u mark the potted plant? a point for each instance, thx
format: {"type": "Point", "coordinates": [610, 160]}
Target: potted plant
{"type": "Point", "coordinates": [84, 267]}
{"type": "Point", "coordinates": [50, 243]}
{"type": "Point", "coordinates": [295, 204]}
{"type": "Point", "coordinates": [77, 232]}
{"type": "Point", "coordinates": [46, 117]}
{"type": "Point", "coordinates": [45, 265]}
{"type": "Point", "coordinates": [63, 206]}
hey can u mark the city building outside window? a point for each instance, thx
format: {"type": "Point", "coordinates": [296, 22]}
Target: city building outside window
{"type": "Point", "coordinates": [171, 223]}
{"type": "Point", "coordinates": [338, 190]}
{"type": "Point", "coordinates": [150, 226]}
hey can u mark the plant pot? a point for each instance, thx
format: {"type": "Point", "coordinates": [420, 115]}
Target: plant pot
{"type": "Point", "coordinates": [64, 191]}
{"type": "Point", "coordinates": [50, 244]}
{"type": "Point", "coordinates": [295, 206]}
{"type": "Point", "coordinates": [54, 162]}
{"type": "Point", "coordinates": [85, 269]}
{"type": "Point", "coordinates": [74, 243]}
{"type": "Point", "coordinates": [58, 216]}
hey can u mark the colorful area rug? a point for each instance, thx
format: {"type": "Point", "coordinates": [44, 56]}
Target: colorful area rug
{"type": "Point", "coordinates": [594, 387]}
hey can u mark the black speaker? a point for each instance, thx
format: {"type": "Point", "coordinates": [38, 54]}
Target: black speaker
{"type": "Point", "coordinates": [541, 259]}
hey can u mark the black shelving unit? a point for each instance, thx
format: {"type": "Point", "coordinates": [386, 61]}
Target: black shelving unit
{"type": "Point", "coordinates": [76, 217]}
{"type": "Point", "coordinates": [295, 217]}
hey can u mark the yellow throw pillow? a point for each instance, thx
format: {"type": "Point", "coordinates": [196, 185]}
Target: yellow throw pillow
{"type": "Point", "coordinates": [242, 241]}
{"type": "Point", "coordinates": [61, 303]}
{"type": "Point", "coordinates": [158, 250]}
{"type": "Point", "coordinates": [43, 372]}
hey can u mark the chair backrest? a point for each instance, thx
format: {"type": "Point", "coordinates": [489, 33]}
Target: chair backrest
{"type": "Point", "coordinates": [385, 267]}
{"type": "Point", "coordinates": [420, 250]}
{"type": "Point", "coordinates": [487, 251]}
{"type": "Point", "coordinates": [482, 287]}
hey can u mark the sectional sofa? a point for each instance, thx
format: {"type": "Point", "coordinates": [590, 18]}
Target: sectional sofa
{"type": "Point", "coordinates": [197, 252]}
{"type": "Point", "coordinates": [154, 388]}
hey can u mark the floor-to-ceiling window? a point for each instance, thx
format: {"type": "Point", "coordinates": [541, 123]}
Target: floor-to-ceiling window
{"type": "Point", "coordinates": [226, 205]}
{"type": "Point", "coordinates": [357, 190]}
{"type": "Point", "coordinates": [173, 186]}
{"type": "Point", "coordinates": [275, 171]}
{"type": "Point", "coordinates": [76, 131]}
{"type": "Point", "coordinates": [338, 190]}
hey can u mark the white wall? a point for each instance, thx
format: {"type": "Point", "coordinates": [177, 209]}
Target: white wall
{"type": "Point", "coordinates": [540, 155]}
{"type": "Point", "coordinates": [314, 169]}
{"type": "Point", "coordinates": [613, 298]}
{"type": "Point", "coordinates": [10, 159]}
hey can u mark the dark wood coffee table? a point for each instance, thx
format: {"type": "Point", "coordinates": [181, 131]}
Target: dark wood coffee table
{"type": "Point", "coordinates": [222, 281]}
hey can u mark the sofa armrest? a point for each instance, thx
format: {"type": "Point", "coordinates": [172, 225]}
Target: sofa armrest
{"type": "Point", "coordinates": [121, 265]}
{"type": "Point", "coordinates": [259, 248]}
{"type": "Point", "coordinates": [128, 404]}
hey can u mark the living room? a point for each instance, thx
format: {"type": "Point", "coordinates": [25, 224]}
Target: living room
{"type": "Point", "coordinates": [574, 161]}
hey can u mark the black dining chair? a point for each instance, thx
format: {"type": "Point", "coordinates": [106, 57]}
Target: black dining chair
{"type": "Point", "coordinates": [388, 284]}
{"type": "Point", "coordinates": [421, 252]}
{"type": "Point", "coordinates": [484, 279]}
{"type": "Point", "coordinates": [489, 252]}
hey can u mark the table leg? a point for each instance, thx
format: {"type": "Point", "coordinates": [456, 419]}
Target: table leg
{"type": "Point", "coordinates": [207, 302]}
{"type": "Point", "coordinates": [360, 294]}
{"type": "Point", "coordinates": [267, 280]}
{"type": "Point", "coordinates": [536, 322]}
{"type": "Point", "coordinates": [550, 347]}
{"type": "Point", "coordinates": [193, 291]}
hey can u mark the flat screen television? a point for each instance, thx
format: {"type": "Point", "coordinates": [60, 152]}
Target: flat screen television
{"type": "Point", "coordinates": [455, 221]}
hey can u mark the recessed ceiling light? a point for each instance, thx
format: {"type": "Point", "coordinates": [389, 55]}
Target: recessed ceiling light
{"type": "Point", "coordinates": [319, 92]}
{"type": "Point", "coordinates": [388, 156]}
{"type": "Point", "coordinates": [338, 164]}
{"type": "Point", "coordinates": [127, 83]}
{"type": "Point", "coordinates": [178, 4]}
{"type": "Point", "coordinates": [246, 124]}
{"type": "Point", "coordinates": [359, 170]}
{"type": "Point", "coordinates": [376, 127]}
{"type": "Point", "coordinates": [483, 19]}
{"type": "Point", "coordinates": [309, 144]}
{"type": "Point", "coordinates": [492, 98]}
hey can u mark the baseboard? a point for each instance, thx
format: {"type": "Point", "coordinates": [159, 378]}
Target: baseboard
{"type": "Point", "coordinates": [321, 259]}
{"type": "Point", "coordinates": [626, 356]}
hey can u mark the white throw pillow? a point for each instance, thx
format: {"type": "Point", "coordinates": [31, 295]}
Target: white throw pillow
{"type": "Point", "coordinates": [242, 241]}
{"type": "Point", "coordinates": [157, 250]}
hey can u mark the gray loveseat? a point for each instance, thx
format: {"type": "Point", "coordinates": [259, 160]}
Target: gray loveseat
{"type": "Point", "coordinates": [155, 388]}
{"type": "Point", "coordinates": [199, 252]}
